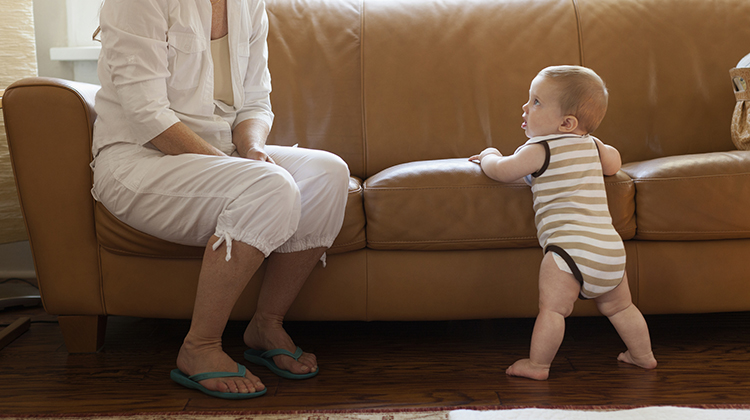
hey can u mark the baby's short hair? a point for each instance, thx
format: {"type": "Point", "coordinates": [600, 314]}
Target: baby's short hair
{"type": "Point", "coordinates": [582, 94]}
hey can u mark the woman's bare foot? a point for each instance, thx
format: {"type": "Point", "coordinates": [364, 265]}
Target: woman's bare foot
{"type": "Point", "coordinates": [528, 369]}
{"type": "Point", "coordinates": [195, 358]}
{"type": "Point", "coordinates": [647, 362]}
{"type": "Point", "coordinates": [262, 334]}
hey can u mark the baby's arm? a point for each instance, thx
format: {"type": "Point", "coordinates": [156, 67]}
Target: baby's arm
{"type": "Point", "coordinates": [525, 161]}
{"type": "Point", "coordinates": [610, 157]}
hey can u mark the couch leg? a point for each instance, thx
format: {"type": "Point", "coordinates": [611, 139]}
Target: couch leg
{"type": "Point", "coordinates": [83, 334]}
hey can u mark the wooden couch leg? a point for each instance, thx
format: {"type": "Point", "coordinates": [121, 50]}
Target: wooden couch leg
{"type": "Point", "coordinates": [83, 334]}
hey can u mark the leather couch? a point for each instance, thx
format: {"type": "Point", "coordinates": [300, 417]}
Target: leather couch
{"type": "Point", "coordinates": [405, 91]}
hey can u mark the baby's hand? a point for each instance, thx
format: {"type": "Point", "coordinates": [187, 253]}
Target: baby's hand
{"type": "Point", "coordinates": [488, 151]}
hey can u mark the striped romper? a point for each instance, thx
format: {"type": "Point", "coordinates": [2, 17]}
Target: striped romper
{"type": "Point", "coordinates": [572, 216]}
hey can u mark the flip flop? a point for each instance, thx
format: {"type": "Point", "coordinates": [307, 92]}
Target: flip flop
{"type": "Point", "coordinates": [265, 358]}
{"type": "Point", "coordinates": [192, 383]}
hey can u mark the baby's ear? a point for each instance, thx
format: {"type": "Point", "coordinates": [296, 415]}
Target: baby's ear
{"type": "Point", "coordinates": [569, 124]}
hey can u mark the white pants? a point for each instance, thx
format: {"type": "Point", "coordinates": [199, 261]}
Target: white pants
{"type": "Point", "coordinates": [295, 205]}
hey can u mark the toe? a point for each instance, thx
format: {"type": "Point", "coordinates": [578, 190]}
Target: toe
{"type": "Point", "coordinates": [249, 384]}
{"type": "Point", "coordinates": [216, 385]}
{"type": "Point", "coordinates": [232, 386]}
{"type": "Point", "coordinates": [242, 387]}
{"type": "Point", "coordinates": [305, 364]}
{"type": "Point", "coordinates": [258, 385]}
{"type": "Point", "coordinates": [309, 360]}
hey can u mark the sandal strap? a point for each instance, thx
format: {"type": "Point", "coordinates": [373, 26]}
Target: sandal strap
{"type": "Point", "coordinates": [241, 370]}
{"type": "Point", "coordinates": [281, 352]}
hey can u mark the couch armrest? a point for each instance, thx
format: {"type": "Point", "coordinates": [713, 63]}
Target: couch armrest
{"type": "Point", "coordinates": [49, 126]}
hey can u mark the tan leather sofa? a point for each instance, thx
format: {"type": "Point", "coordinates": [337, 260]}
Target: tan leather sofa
{"type": "Point", "coordinates": [405, 91]}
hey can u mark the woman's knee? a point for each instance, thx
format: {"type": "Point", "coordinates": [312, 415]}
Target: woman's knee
{"type": "Point", "coordinates": [332, 168]}
{"type": "Point", "coordinates": [280, 190]}
{"type": "Point", "coordinates": [271, 195]}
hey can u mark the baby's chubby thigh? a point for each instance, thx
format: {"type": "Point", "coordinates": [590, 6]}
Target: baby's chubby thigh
{"type": "Point", "coordinates": [558, 289]}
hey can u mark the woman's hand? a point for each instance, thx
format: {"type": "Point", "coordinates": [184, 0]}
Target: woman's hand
{"type": "Point", "coordinates": [179, 139]}
{"type": "Point", "coordinates": [250, 139]}
{"type": "Point", "coordinates": [258, 153]}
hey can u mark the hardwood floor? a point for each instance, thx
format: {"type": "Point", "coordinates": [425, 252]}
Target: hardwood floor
{"type": "Point", "coordinates": [703, 359]}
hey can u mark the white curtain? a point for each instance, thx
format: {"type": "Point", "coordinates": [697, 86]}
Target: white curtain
{"type": "Point", "coordinates": [17, 61]}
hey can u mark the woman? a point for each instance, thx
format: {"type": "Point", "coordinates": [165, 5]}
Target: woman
{"type": "Point", "coordinates": [179, 147]}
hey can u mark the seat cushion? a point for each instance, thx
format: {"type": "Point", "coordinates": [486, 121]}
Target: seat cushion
{"type": "Point", "coordinates": [693, 197]}
{"type": "Point", "coordinates": [450, 204]}
{"type": "Point", "coordinates": [119, 238]}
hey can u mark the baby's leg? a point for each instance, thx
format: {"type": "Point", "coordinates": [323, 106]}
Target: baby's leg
{"type": "Point", "coordinates": [618, 306]}
{"type": "Point", "coordinates": [558, 292]}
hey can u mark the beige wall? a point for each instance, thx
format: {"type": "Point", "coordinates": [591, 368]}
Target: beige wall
{"type": "Point", "coordinates": [51, 31]}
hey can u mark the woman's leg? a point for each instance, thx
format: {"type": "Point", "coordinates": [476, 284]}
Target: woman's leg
{"type": "Point", "coordinates": [285, 276]}
{"type": "Point", "coordinates": [322, 179]}
{"type": "Point", "coordinates": [219, 286]}
{"type": "Point", "coordinates": [247, 208]}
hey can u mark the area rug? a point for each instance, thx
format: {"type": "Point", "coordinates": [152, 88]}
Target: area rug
{"type": "Point", "coordinates": [419, 414]}
{"type": "Point", "coordinates": [645, 413]}
{"type": "Point", "coordinates": [723, 412]}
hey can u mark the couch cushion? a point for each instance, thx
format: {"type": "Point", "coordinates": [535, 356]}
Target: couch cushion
{"type": "Point", "coordinates": [119, 238]}
{"type": "Point", "coordinates": [315, 63]}
{"type": "Point", "coordinates": [450, 204]}
{"type": "Point", "coordinates": [693, 197]}
{"type": "Point", "coordinates": [434, 72]}
{"type": "Point", "coordinates": [667, 72]}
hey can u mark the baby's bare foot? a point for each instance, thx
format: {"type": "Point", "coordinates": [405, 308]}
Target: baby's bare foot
{"type": "Point", "coordinates": [647, 361]}
{"type": "Point", "coordinates": [528, 369]}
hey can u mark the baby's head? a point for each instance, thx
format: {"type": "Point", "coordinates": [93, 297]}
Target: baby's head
{"type": "Point", "coordinates": [565, 92]}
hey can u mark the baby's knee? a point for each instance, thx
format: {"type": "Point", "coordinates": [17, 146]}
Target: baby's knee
{"type": "Point", "coordinates": [610, 308]}
{"type": "Point", "coordinates": [557, 305]}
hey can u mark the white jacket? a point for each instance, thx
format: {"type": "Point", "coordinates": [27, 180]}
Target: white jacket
{"type": "Point", "coordinates": [155, 69]}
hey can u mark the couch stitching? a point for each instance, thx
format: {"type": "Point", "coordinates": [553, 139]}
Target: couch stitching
{"type": "Point", "coordinates": [687, 178]}
{"type": "Point", "coordinates": [365, 159]}
{"type": "Point", "coordinates": [692, 231]}
{"type": "Point", "coordinates": [453, 240]}
{"type": "Point", "coordinates": [579, 27]}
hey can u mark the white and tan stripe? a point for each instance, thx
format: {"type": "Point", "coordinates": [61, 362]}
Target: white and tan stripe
{"type": "Point", "coordinates": [571, 209]}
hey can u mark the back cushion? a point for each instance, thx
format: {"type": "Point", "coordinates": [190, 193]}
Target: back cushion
{"type": "Point", "coordinates": [314, 59]}
{"type": "Point", "coordinates": [445, 79]}
{"type": "Point", "coordinates": [666, 63]}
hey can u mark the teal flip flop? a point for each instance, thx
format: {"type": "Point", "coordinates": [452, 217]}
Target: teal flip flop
{"type": "Point", "coordinates": [265, 358]}
{"type": "Point", "coordinates": [192, 383]}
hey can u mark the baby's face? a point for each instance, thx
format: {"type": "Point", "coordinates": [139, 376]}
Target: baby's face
{"type": "Point", "coordinates": [542, 115]}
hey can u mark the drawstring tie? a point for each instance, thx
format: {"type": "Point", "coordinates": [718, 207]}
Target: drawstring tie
{"type": "Point", "coordinates": [225, 238]}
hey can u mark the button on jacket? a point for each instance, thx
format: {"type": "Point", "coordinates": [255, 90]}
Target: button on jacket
{"type": "Point", "coordinates": [155, 69]}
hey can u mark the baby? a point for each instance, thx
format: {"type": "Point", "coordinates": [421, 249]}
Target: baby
{"type": "Point", "coordinates": [583, 254]}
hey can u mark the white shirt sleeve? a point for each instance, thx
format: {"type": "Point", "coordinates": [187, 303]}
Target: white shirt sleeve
{"type": "Point", "coordinates": [134, 40]}
{"type": "Point", "coordinates": [257, 83]}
